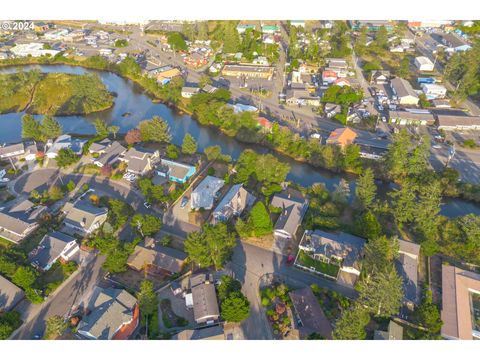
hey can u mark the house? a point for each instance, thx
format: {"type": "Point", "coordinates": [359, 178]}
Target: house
{"type": "Point", "coordinates": [403, 92]}
{"type": "Point", "coordinates": [342, 82]}
{"type": "Point", "coordinates": [165, 74]}
{"type": "Point", "coordinates": [156, 258]}
{"type": "Point", "coordinates": [215, 332]}
{"type": "Point", "coordinates": [31, 151]}
{"type": "Point", "coordinates": [100, 147]}
{"type": "Point", "coordinates": [64, 142]}
{"type": "Point", "coordinates": [110, 155]}
{"type": "Point", "coordinates": [233, 204]}
{"type": "Point", "coordinates": [248, 71]}
{"type": "Point", "coordinates": [53, 246]}
{"type": "Point", "coordinates": [175, 171]}
{"type": "Point", "coordinates": [302, 98]}
{"type": "Point", "coordinates": [293, 208]}
{"type": "Point", "coordinates": [19, 218]}
{"type": "Point", "coordinates": [434, 91]}
{"type": "Point", "coordinates": [189, 91]}
{"type": "Point", "coordinates": [12, 151]}
{"type": "Point", "coordinates": [205, 193]}
{"type": "Point", "coordinates": [340, 249]}
{"type": "Point", "coordinates": [441, 103]}
{"type": "Point", "coordinates": [239, 108]}
{"type": "Point", "coordinates": [10, 295]}
{"type": "Point", "coordinates": [209, 89]}
{"type": "Point", "coordinates": [371, 25]}
{"type": "Point", "coordinates": [455, 122]}
{"type": "Point", "coordinates": [407, 267]}
{"type": "Point", "coordinates": [455, 43]}
{"type": "Point", "coordinates": [460, 304]}
{"type": "Point", "coordinates": [204, 297]}
{"type": "Point", "coordinates": [328, 77]}
{"type": "Point", "coordinates": [83, 217]}
{"type": "Point", "coordinates": [33, 50]}
{"type": "Point", "coordinates": [411, 118]}
{"type": "Point", "coordinates": [113, 314]}
{"type": "Point", "coordinates": [309, 314]}
{"type": "Point", "coordinates": [140, 161]}
{"type": "Point", "coordinates": [265, 124]}
{"type": "Point", "coordinates": [423, 63]}
{"type": "Point", "coordinates": [395, 332]}
{"type": "Point", "coordinates": [105, 52]}
{"type": "Point", "coordinates": [342, 137]}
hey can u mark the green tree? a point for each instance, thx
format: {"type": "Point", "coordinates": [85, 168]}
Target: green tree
{"type": "Point", "coordinates": [155, 130]}
{"type": "Point", "coordinates": [9, 322]}
{"type": "Point", "coordinates": [114, 130]}
{"type": "Point", "coordinates": [382, 292]}
{"type": "Point", "coordinates": [101, 127]}
{"type": "Point", "coordinates": [366, 189]}
{"type": "Point", "coordinates": [66, 157]}
{"type": "Point", "coordinates": [429, 316]}
{"type": "Point", "coordinates": [31, 129]}
{"type": "Point", "coordinates": [176, 41]}
{"type": "Point", "coordinates": [55, 327]}
{"type": "Point", "coordinates": [71, 186]}
{"type": "Point", "coordinates": [426, 216]}
{"type": "Point", "coordinates": [189, 145]}
{"type": "Point", "coordinates": [213, 152]}
{"type": "Point", "coordinates": [51, 128]}
{"type": "Point", "coordinates": [25, 277]}
{"type": "Point", "coordinates": [404, 203]}
{"type": "Point", "coordinates": [227, 285]}
{"type": "Point", "coordinates": [231, 43]}
{"type": "Point", "coordinates": [235, 308]}
{"type": "Point", "coordinates": [172, 152]}
{"type": "Point", "coordinates": [147, 298]}
{"type": "Point", "coordinates": [147, 225]}
{"type": "Point", "coordinates": [368, 226]}
{"type": "Point", "coordinates": [211, 246]}
{"type": "Point", "coordinates": [380, 252]}
{"type": "Point", "coordinates": [351, 324]}
{"type": "Point", "coordinates": [352, 160]}
{"type": "Point", "coordinates": [398, 154]}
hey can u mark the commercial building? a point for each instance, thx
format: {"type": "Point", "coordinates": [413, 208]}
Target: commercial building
{"type": "Point", "coordinates": [32, 49]}
{"type": "Point", "coordinates": [249, 71]}
{"type": "Point", "coordinates": [412, 118]}
{"type": "Point", "coordinates": [423, 63]}
{"type": "Point", "coordinates": [454, 122]}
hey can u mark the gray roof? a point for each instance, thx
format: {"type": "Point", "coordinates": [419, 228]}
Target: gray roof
{"type": "Point", "coordinates": [18, 216]}
{"type": "Point", "coordinates": [190, 89]}
{"type": "Point", "coordinates": [409, 247]}
{"type": "Point", "coordinates": [248, 68]}
{"type": "Point", "coordinates": [233, 203]}
{"type": "Point", "coordinates": [453, 40]}
{"type": "Point", "coordinates": [204, 194]}
{"type": "Point", "coordinates": [82, 214]}
{"type": "Point", "coordinates": [110, 309]}
{"type": "Point", "coordinates": [10, 294]}
{"type": "Point", "coordinates": [293, 206]}
{"type": "Point", "coordinates": [175, 169]}
{"type": "Point", "coordinates": [395, 332]}
{"type": "Point", "coordinates": [11, 149]}
{"type": "Point", "coordinates": [345, 246]}
{"type": "Point", "coordinates": [139, 159]}
{"type": "Point", "coordinates": [66, 142]}
{"type": "Point", "coordinates": [210, 333]}
{"type": "Point", "coordinates": [49, 249]}
{"type": "Point", "coordinates": [407, 267]}
{"type": "Point", "coordinates": [454, 120]}
{"type": "Point", "coordinates": [412, 116]}
{"type": "Point", "coordinates": [402, 88]}
{"type": "Point", "coordinates": [161, 256]}
{"type": "Point", "coordinates": [101, 145]}
{"type": "Point", "coordinates": [205, 306]}
{"type": "Point", "coordinates": [112, 154]}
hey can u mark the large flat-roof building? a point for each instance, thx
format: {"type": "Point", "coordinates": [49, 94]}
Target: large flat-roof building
{"type": "Point", "coordinates": [454, 122]}
{"type": "Point", "coordinates": [250, 71]}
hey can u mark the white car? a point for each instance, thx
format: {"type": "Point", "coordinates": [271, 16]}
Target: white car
{"type": "Point", "coordinates": [436, 146]}
{"type": "Point", "coordinates": [4, 180]}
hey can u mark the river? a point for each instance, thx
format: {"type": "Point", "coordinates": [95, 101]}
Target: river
{"type": "Point", "coordinates": [132, 99]}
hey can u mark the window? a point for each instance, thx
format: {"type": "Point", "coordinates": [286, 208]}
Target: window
{"type": "Point", "coordinates": [475, 312]}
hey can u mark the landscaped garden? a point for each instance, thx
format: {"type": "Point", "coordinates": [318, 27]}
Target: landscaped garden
{"type": "Point", "coordinates": [331, 302]}
{"type": "Point", "coordinates": [306, 260]}
{"type": "Point", "coordinates": [279, 308]}
{"type": "Point", "coordinates": [170, 319]}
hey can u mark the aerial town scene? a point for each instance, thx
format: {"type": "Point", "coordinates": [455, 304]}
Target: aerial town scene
{"type": "Point", "coordinates": [240, 179]}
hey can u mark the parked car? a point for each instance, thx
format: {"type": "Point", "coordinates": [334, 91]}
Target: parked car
{"type": "Point", "coordinates": [147, 205]}
{"type": "Point", "coordinates": [184, 202]}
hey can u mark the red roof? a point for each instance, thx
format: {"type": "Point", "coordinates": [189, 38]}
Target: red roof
{"type": "Point", "coordinates": [264, 122]}
{"type": "Point", "coordinates": [127, 329]}
{"type": "Point", "coordinates": [329, 73]}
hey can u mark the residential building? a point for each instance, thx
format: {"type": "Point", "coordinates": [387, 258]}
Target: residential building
{"type": "Point", "coordinates": [233, 204]}
{"type": "Point", "coordinates": [111, 155]}
{"type": "Point", "coordinates": [411, 118]}
{"type": "Point", "coordinates": [10, 295]}
{"type": "Point", "coordinates": [407, 267]}
{"type": "Point", "coordinates": [209, 89]}
{"type": "Point", "coordinates": [328, 77]}
{"type": "Point", "coordinates": [154, 258]}
{"type": "Point", "coordinates": [340, 249]}
{"type": "Point", "coordinates": [265, 124]}
{"type": "Point", "coordinates": [454, 122]}
{"type": "Point", "coordinates": [189, 91]}
{"type": "Point", "coordinates": [342, 137]}
{"type": "Point", "coordinates": [293, 208]}
{"type": "Point", "coordinates": [371, 25]}
{"type": "Point", "coordinates": [175, 171]}
{"type": "Point", "coordinates": [395, 332]}
{"type": "Point", "coordinates": [423, 63]}
{"type": "Point", "coordinates": [309, 315]}
{"type": "Point", "coordinates": [12, 151]}
{"type": "Point", "coordinates": [342, 82]}
{"type": "Point", "coordinates": [32, 49]}
{"type": "Point", "coordinates": [248, 71]}
{"type": "Point", "coordinates": [215, 332]}
{"type": "Point", "coordinates": [140, 161]}
{"type": "Point", "coordinates": [75, 36]}
{"type": "Point", "coordinates": [460, 303]}
{"type": "Point", "coordinates": [298, 23]}
{"type": "Point", "coordinates": [165, 74]}
{"type": "Point", "coordinates": [441, 103]}
{"type": "Point", "coordinates": [83, 218]}
{"type": "Point", "coordinates": [113, 314]}
{"type": "Point", "coordinates": [19, 218]}
{"type": "Point", "coordinates": [206, 192]}
{"type": "Point", "coordinates": [64, 142]}
{"type": "Point", "coordinates": [455, 43]}
{"type": "Point", "coordinates": [57, 34]}
{"type": "Point", "coordinates": [434, 91]}
{"type": "Point", "coordinates": [100, 147]}
{"type": "Point", "coordinates": [403, 92]}
{"type": "Point", "coordinates": [204, 298]}
{"type": "Point", "coordinates": [53, 246]}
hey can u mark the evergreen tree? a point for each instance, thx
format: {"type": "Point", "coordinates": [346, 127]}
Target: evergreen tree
{"type": "Point", "coordinates": [366, 189]}
{"type": "Point", "coordinates": [231, 42]}
{"type": "Point", "coordinates": [147, 298]}
{"type": "Point", "coordinates": [155, 130]}
{"type": "Point", "coordinates": [51, 128]}
{"type": "Point", "coordinates": [189, 145]}
{"type": "Point", "coordinates": [351, 324]}
{"type": "Point", "coordinates": [31, 129]}
{"type": "Point", "coordinates": [235, 308]}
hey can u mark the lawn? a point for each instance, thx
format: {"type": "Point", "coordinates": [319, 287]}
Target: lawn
{"type": "Point", "coordinates": [5, 243]}
{"type": "Point", "coordinates": [306, 260]}
{"type": "Point", "coordinates": [55, 276]}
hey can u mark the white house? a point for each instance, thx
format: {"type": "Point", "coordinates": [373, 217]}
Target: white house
{"type": "Point", "coordinates": [423, 63]}
{"type": "Point", "coordinates": [189, 91]}
{"type": "Point", "coordinates": [434, 91]}
{"type": "Point", "coordinates": [53, 247]}
{"type": "Point", "coordinates": [205, 193]}
{"type": "Point", "coordinates": [64, 142]}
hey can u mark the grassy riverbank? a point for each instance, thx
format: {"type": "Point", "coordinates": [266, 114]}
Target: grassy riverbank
{"type": "Point", "coordinates": [53, 93]}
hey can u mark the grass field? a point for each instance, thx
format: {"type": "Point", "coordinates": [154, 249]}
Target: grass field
{"type": "Point", "coordinates": [328, 269]}
{"type": "Point", "coordinates": [53, 93]}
